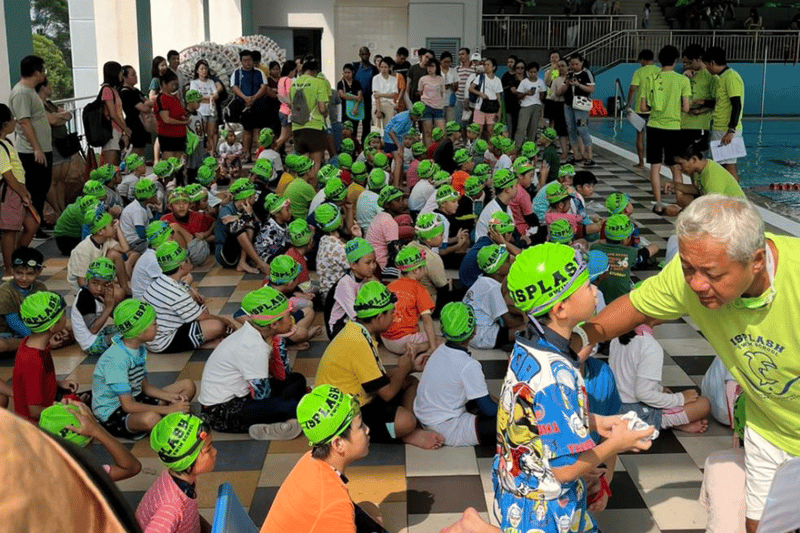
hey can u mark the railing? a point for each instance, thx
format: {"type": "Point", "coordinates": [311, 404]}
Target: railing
{"type": "Point", "coordinates": [75, 106]}
{"type": "Point", "coordinates": [550, 31]}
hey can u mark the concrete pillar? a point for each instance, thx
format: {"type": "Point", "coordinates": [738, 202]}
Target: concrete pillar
{"type": "Point", "coordinates": [17, 35]}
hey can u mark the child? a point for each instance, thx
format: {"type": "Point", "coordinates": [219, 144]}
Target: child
{"type": "Point", "coordinates": [331, 261]}
{"type": "Point", "coordinates": [101, 243]}
{"type": "Point", "coordinates": [267, 143]}
{"type": "Point", "coordinates": [418, 153]}
{"type": "Point", "coordinates": [501, 231]}
{"type": "Point", "coordinates": [637, 359]}
{"type": "Point", "coordinates": [560, 232]}
{"type": "Point", "coordinates": [195, 228]}
{"type": "Point", "coordinates": [283, 277]}
{"type": "Point", "coordinates": [163, 172]}
{"type": "Point", "coordinates": [525, 221]}
{"type": "Point", "coordinates": [423, 188]}
{"type": "Point", "coordinates": [300, 236]}
{"type": "Point", "coordinates": [479, 151]}
{"type": "Point", "coordinates": [367, 205]}
{"type": "Point", "coordinates": [339, 302]}
{"type": "Point", "coordinates": [496, 326]}
{"type": "Point", "coordinates": [273, 238]}
{"type": "Point", "coordinates": [137, 215]}
{"type": "Point", "coordinates": [136, 169]}
{"type": "Point", "coordinates": [440, 178]}
{"type": "Point", "coordinates": [247, 384]}
{"type": "Point", "coordinates": [259, 177]}
{"type": "Point", "coordinates": [429, 230]}
{"type": "Point", "coordinates": [505, 189]}
{"type": "Point", "coordinates": [357, 174]}
{"type": "Point", "coordinates": [618, 203]}
{"type": "Point", "coordinates": [456, 240]}
{"type": "Point", "coordinates": [146, 269]}
{"type": "Point", "coordinates": [108, 177]}
{"type": "Point", "coordinates": [622, 256]}
{"type": "Point", "coordinates": [451, 379]}
{"type": "Point", "coordinates": [464, 166]}
{"type": "Point", "coordinates": [468, 203]}
{"type": "Point", "coordinates": [544, 389]}
{"type": "Point", "coordinates": [74, 422]}
{"type": "Point", "coordinates": [437, 134]}
{"type": "Point", "coordinates": [504, 150]}
{"type": "Point", "coordinates": [26, 264]}
{"type": "Point", "coordinates": [207, 177]}
{"type": "Point", "coordinates": [123, 400]}
{"type": "Point", "coordinates": [184, 323]}
{"type": "Point", "coordinates": [384, 231]}
{"type": "Point", "coordinates": [234, 231]}
{"type": "Point", "coordinates": [93, 307]}
{"type": "Point", "coordinates": [560, 202]}
{"type": "Point", "coordinates": [69, 226]}
{"type": "Point", "coordinates": [34, 379]}
{"type": "Point", "coordinates": [344, 162]}
{"type": "Point", "coordinates": [413, 303]}
{"type": "Point", "coordinates": [230, 155]}
{"type": "Point", "coordinates": [183, 444]}
{"type": "Point", "coordinates": [583, 182]}
{"type": "Point", "coordinates": [195, 134]}
{"type": "Point", "coordinates": [551, 163]}
{"type": "Point", "coordinates": [300, 191]}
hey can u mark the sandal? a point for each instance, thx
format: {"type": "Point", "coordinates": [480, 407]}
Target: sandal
{"type": "Point", "coordinates": [589, 163]}
{"type": "Point", "coordinates": [658, 211]}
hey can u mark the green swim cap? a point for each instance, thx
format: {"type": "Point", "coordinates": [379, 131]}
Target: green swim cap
{"type": "Point", "coordinates": [193, 96]}
{"type": "Point", "coordinates": [618, 227]}
{"type": "Point", "coordinates": [326, 172]}
{"type": "Point", "coordinates": [566, 170]}
{"type": "Point", "coordinates": [506, 145]}
{"type": "Point", "coordinates": [345, 161]}
{"type": "Point", "coordinates": [206, 175]}
{"type": "Point", "coordinates": [492, 257]}
{"type": "Point", "coordinates": [428, 226]}
{"type": "Point", "coordinates": [437, 134]}
{"type": "Point", "coordinates": [452, 127]}
{"type": "Point", "coordinates": [241, 189]}
{"type": "Point", "coordinates": [377, 180]}
{"type": "Point", "coordinates": [616, 203]}
{"type": "Point", "coordinates": [193, 190]}
{"type": "Point", "coordinates": [274, 203]}
{"type": "Point", "coordinates": [101, 268]}
{"type": "Point", "coordinates": [446, 193]}
{"type": "Point", "coordinates": [41, 311]}
{"type": "Point", "coordinates": [482, 170]}
{"type": "Point", "coordinates": [417, 110]}
{"type": "Point", "coordinates": [283, 269]}
{"type": "Point", "coordinates": [441, 177]}
{"type": "Point", "coordinates": [356, 248]}
{"type": "Point", "coordinates": [347, 125]}
{"type": "Point", "coordinates": [170, 256]}
{"type": "Point", "coordinates": [373, 298]}
{"type": "Point", "coordinates": [157, 233]}
{"type": "Point", "coordinates": [522, 166]}
{"type": "Point", "coordinates": [458, 321]}
{"type": "Point", "coordinates": [132, 317]}
{"type": "Point", "coordinates": [106, 173]}
{"type": "Point", "coordinates": [371, 135]}
{"type": "Point", "coordinates": [163, 169]}
{"type": "Point", "coordinates": [380, 160]}
{"type": "Point", "coordinates": [555, 192]}
{"type": "Point", "coordinates": [262, 168]}
{"type": "Point", "coordinates": [176, 163]}
{"type": "Point", "coordinates": [479, 147]}
{"type": "Point", "coordinates": [97, 221]}
{"type": "Point", "coordinates": [265, 137]}
{"type": "Point", "coordinates": [145, 189]}
{"type": "Point", "coordinates": [178, 440]}
{"type": "Point", "coordinates": [57, 417]}
{"type": "Point", "coordinates": [504, 179]}
{"type": "Point", "coordinates": [299, 232]}
{"type": "Point", "coordinates": [133, 161]}
{"type": "Point", "coordinates": [425, 169]}
{"type": "Point", "coordinates": [501, 222]}
{"type": "Point", "coordinates": [413, 133]}
{"type": "Point", "coordinates": [529, 149]}
{"type": "Point", "coordinates": [410, 258]}
{"type": "Point", "coordinates": [473, 186]}
{"type": "Point", "coordinates": [335, 190]}
{"type": "Point", "coordinates": [544, 275]}
{"type": "Point", "coordinates": [461, 156]}
{"type": "Point", "coordinates": [325, 413]}
{"type": "Point", "coordinates": [348, 146]}
{"type": "Point", "coordinates": [549, 134]}
{"type": "Point", "coordinates": [94, 188]}
{"type": "Point", "coordinates": [418, 149]}
{"type": "Point", "coordinates": [474, 127]}
{"type": "Point", "coordinates": [178, 195]}
{"type": "Point", "coordinates": [499, 129]}
{"type": "Point", "coordinates": [496, 141]}
{"type": "Point", "coordinates": [328, 217]}
{"type": "Point", "coordinates": [359, 172]}
{"type": "Point", "coordinates": [265, 306]}
{"type": "Point", "coordinates": [304, 164]}
{"type": "Point", "coordinates": [291, 162]}
{"type": "Point", "coordinates": [388, 194]}
{"type": "Point", "coordinates": [561, 231]}
{"type": "Point", "coordinates": [211, 162]}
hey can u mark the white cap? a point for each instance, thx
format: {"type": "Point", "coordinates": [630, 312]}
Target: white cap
{"type": "Point", "coordinates": [475, 57]}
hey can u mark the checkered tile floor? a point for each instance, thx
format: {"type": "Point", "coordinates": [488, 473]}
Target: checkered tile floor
{"type": "Point", "coordinates": [421, 491]}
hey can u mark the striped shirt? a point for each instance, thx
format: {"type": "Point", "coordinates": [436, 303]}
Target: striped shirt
{"type": "Point", "coordinates": [463, 75]}
{"type": "Point", "coordinates": [174, 307]}
{"type": "Point", "coordinates": [165, 508]}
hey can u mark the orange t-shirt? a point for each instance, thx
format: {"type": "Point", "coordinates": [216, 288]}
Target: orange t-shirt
{"type": "Point", "coordinates": [312, 499]}
{"type": "Point", "coordinates": [459, 177]}
{"type": "Point", "coordinates": [412, 301]}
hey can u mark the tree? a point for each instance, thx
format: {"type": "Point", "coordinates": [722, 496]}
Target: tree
{"type": "Point", "coordinates": [51, 19]}
{"type": "Point", "coordinates": [58, 73]}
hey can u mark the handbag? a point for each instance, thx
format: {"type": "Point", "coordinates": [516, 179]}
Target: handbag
{"type": "Point", "coordinates": [489, 107]}
{"type": "Point", "coordinates": [149, 122]}
{"type": "Point", "coordinates": [68, 146]}
{"type": "Point", "coordinates": [581, 103]}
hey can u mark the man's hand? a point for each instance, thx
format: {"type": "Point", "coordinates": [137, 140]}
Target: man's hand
{"type": "Point", "coordinates": [38, 156]}
{"type": "Point", "coordinates": [726, 139]}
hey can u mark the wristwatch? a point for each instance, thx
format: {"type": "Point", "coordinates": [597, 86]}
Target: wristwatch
{"type": "Point", "coordinates": [580, 332]}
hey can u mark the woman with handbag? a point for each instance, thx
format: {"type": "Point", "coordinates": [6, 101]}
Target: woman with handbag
{"type": "Point", "coordinates": [489, 90]}
{"type": "Point", "coordinates": [138, 111]}
{"type": "Point", "coordinates": [577, 104]}
{"type": "Point", "coordinates": [65, 145]}
{"type": "Point", "coordinates": [121, 133]}
{"type": "Point", "coordinates": [352, 96]}
{"type": "Point", "coordinates": [209, 89]}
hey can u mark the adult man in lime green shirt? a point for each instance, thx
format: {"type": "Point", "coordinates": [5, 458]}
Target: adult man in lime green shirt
{"type": "Point", "coordinates": [728, 103]}
{"type": "Point", "coordinates": [708, 177]}
{"type": "Point", "coordinates": [309, 137]}
{"type": "Point", "coordinates": [696, 124]}
{"type": "Point", "coordinates": [665, 95]}
{"type": "Point", "coordinates": [741, 286]}
{"type": "Point", "coordinates": [646, 70]}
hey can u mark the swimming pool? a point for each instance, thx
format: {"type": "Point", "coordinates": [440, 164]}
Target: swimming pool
{"type": "Point", "coordinates": [773, 153]}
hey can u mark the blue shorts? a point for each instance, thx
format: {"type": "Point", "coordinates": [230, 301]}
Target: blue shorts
{"type": "Point", "coordinates": [284, 120]}
{"type": "Point", "coordinates": [389, 147]}
{"type": "Point", "coordinates": [431, 113]}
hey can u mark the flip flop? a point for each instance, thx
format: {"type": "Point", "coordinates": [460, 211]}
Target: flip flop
{"type": "Point", "coordinates": [278, 431]}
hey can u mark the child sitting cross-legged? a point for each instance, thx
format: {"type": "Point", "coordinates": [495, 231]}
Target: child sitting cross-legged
{"type": "Point", "coordinates": [340, 300]}
{"type": "Point", "coordinates": [93, 307]}
{"type": "Point", "coordinates": [301, 238]}
{"type": "Point", "coordinates": [136, 169]}
{"type": "Point", "coordinates": [195, 228]}
{"type": "Point", "coordinates": [26, 264]}
{"type": "Point", "coordinates": [451, 379]}
{"type": "Point", "coordinates": [560, 203]}
{"type": "Point", "coordinates": [283, 277]}
{"type": "Point", "coordinates": [429, 230]}
{"type": "Point", "coordinates": [126, 404]}
{"type": "Point", "coordinates": [331, 258]}
{"type": "Point", "coordinates": [137, 214]}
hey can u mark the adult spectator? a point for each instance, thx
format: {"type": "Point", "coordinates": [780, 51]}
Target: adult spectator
{"type": "Point", "coordinates": [416, 72]}
{"type": "Point", "coordinates": [34, 137]}
{"type": "Point", "coordinates": [384, 93]}
{"type": "Point", "coordinates": [431, 91]}
{"type": "Point", "coordinates": [489, 90]}
{"type": "Point", "coordinates": [249, 87]}
{"type": "Point", "coordinates": [112, 80]}
{"type": "Point", "coordinates": [729, 103]}
{"type": "Point", "coordinates": [450, 76]}
{"type": "Point", "coordinates": [288, 73]}
{"type": "Point", "coordinates": [579, 83]}
{"type": "Point", "coordinates": [135, 104]}
{"type": "Point", "coordinates": [171, 118]}
{"type": "Point", "coordinates": [645, 71]}
{"type": "Point", "coordinates": [310, 138]}
{"type": "Point", "coordinates": [530, 94]}
{"type": "Point", "coordinates": [158, 68]}
{"type": "Point", "coordinates": [364, 72]}
{"type": "Point", "coordinates": [349, 90]}
{"type": "Point", "coordinates": [477, 64]}
{"type": "Point", "coordinates": [174, 62]}
{"type": "Point", "coordinates": [401, 66]}
{"type": "Point", "coordinates": [210, 90]}
{"type": "Point", "coordinates": [754, 22]}
{"type": "Point", "coordinates": [510, 80]}
{"type": "Point", "coordinates": [57, 117]}
{"type": "Point", "coordinates": [739, 285]}
{"type": "Point", "coordinates": [273, 103]}
{"type": "Point", "coordinates": [463, 70]}
{"type": "Point", "coordinates": [556, 104]}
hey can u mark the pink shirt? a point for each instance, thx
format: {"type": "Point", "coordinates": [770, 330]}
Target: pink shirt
{"type": "Point", "coordinates": [284, 84]}
{"type": "Point", "coordinates": [411, 174]}
{"type": "Point", "coordinates": [344, 296]}
{"type": "Point", "coordinates": [521, 206]}
{"type": "Point", "coordinates": [166, 509]}
{"type": "Point", "coordinates": [431, 90]}
{"type": "Point", "coordinates": [576, 221]}
{"type": "Point", "coordinates": [383, 230]}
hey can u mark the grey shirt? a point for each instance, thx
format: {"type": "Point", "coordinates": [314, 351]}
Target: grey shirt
{"type": "Point", "coordinates": [25, 103]}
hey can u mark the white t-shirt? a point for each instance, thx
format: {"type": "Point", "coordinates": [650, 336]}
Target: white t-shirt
{"type": "Point", "coordinates": [82, 256]}
{"type": "Point", "coordinates": [84, 303]}
{"type": "Point", "coordinates": [134, 214]}
{"type": "Point", "coordinates": [144, 272]}
{"type": "Point", "coordinates": [430, 204]}
{"type": "Point", "coordinates": [205, 88]}
{"type": "Point", "coordinates": [450, 77]}
{"type": "Point", "coordinates": [535, 98]}
{"type": "Point", "coordinates": [482, 227]}
{"type": "Point", "coordinates": [127, 186]}
{"type": "Point", "coordinates": [241, 357]}
{"type": "Point", "coordinates": [491, 87]}
{"type": "Point", "coordinates": [451, 378]}
{"type": "Point", "coordinates": [274, 158]}
{"type": "Point", "coordinates": [388, 86]}
{"type": "Point", "coordinates": [174, 307]}
{"type": "Point", "coordinates": [419, 195]}
{"type": "Point", "coordinates": [486, 298]}
{"type": "Point", "coordinates": [317, 201]}
{"type": "Point", "coordinates": [503, 163]}
{"type": "Point", "coordinates": [641, 358]}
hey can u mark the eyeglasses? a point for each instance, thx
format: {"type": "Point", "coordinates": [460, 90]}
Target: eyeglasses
{"type": "Point", "coordinates": [33, 263]}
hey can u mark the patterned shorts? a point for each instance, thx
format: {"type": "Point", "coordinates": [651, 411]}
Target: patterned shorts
{"type": "Point", "coordinates": [103, 340]}
{"type": "Point", "coordinates": [225, 417]}
{"type": "Point", "coordinates": [117, 423]}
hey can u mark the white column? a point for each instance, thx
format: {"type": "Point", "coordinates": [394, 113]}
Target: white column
{"type": "Point", "coordinates": [84, 47]}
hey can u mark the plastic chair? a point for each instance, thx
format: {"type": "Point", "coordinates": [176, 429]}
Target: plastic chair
{"type": "Point", "coordinates": [229, 515]}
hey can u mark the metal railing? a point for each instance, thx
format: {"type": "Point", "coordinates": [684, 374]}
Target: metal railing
{"type": "Point", "coordinates": [550, 31]}
{"type": "Point", "coordinates": [75, 106]}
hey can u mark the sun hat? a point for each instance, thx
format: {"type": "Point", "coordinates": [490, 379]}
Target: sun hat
{"type": "Point", "coordinates": [283, 269]}
{"type": "Point", "coordinates": [441, 177]}
{"type": "Point", "coordinates": [348, 146]}
{"type": "Point", "coordinates": [265, 138]}
{"type": "Point", "coordinates": [417, 110]}
{"type": "Point", "coordinates": [101, 268]}
{"type": "Point", "coordinates": [388, 194]}
{"type": "Point", "coordinates": [561, 231]}
{"type": "Point", "coordinates": [57, 417]}
{"type": "Point", "coordinates": [163, 169]}
{"type": "Point", "coordinates": [437, 134]}
{"type": "Point", "coordinates": [178, 195]}
{"type": "Point", "coordinates": [133, 161]}
{"type": "Point", "coordinates": [356, 248]}
{"type": "Point", "coordinates": [373, 298]}
{"type": "Point", "coordinates": [299, 232]}
{"type": "Point", "coordinates": [328, 217]}
{"type": "Point", "coordinates": [504, 178]}
{"type": "Point", "coordinates": [205, 175]}
{"type": "Point", "coordinates": [418, 149]}
{"type": "Point", "coordinates": [265, 306]}
{"type": "Point", "coordinates": [476, 56]}
{"type": "Point", "coordinates": [145, 189]}
{"type": "Point", "coordinates": [41, 311]}
{"type": "Point", "coordinates": [241, 189]}
{"type": "Point", "coordinates": [492, 257]}
{"type": "Point", "coordinates": [325, 413]}
{"type": "Point", "coordinates": [618, 227]}
{"type": "Point", "coordinates": [501, 222]}
{"type": "Point", "coordinates": [473, 186]}
{"type": "Point", "coordinates": [452, 127]}
{"type": "Point", "coordinates": [555, 192]}
{"type": "Point", "coordinates": [529, 149]}
{"type": "Point", "coordinates": [377, 179]}
{"type": "Point", "coordinates": [132, 317]}
{"type": "Point", "coordinates": [262, 168]}
{"type": "Point", "coordinates": [345, 161]}
{"type": "Point", "coordinates": [94, 188]}
{"type": "Point", "coordinates": [335, 190]}
{"type": "Point", "coordinates": [409, 258]}
{"type": "Point", "coordinates": [461, 156]}
{"type": "Point", "coordinates": [211, 162]}
{"type": "Point", "coordinates": [178, 439]}
{"type": "Point", "coordinates": [549, 134]}
{"type": "Point", "coordinates": [474, 127]}
{"type": "Point", "coordinates": [428, 226]}
{"type": "Point", "coordinates": [544, 275]}
{"type": "Point", "coordinates": [566, 170]}
{"type": "Point", "coordinates": [479, 147]}
{"type": "Point", "coordinates": [457, 321]}
{"type": "Point", "coordinates": [157, 233]}
{"type": "Point", "coordinates": [291, 162]}
{"type": "Point", "coordinates": [598, 264]}
{"type": "Point", "coordinates": [97, 220]}
{"type": "Point", "coordinates": [522, 166]}
{"type": "Point", "coordinates": [170, 256]}
{"type": "Point", "coordinates": [499, 129]}
{"type": "Point", "coordinates": [616, 203]}
{"type": "Point", "coordinates": [358, 172]}
{"type": "Point", "coordinates": [446, 193]}
{"type": "Point", "coordinates": [482, 170]}
{"type": "Point", "coordinates": [380, 161]}
{"type": "Point", "coordinates": [425, 169]}
{"type": "Point", "coordinates": [304, 164]}
{"type": "Point", "coordinates": [176, 163]}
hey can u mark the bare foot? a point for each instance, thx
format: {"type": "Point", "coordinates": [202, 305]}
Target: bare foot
{"type": "Point", "coordinates": [300, 347]}
{"type": "Point", "coordinates": [425, 439]}
{"type": "Point", "coordinates": [699, 426]}
{"type": "Point", "coordinates": [244, 267]}
{"type": "Point", "coordinates": [638, 165]}
{"type": "Point", "coordinates": [314, 331]}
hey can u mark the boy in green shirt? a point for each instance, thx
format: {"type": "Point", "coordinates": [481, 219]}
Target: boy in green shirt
{"type": "Point", "coordinates": [646, 70]}
{"type": "Point", "coordinates": [728, 103]}
{"type": "Point", "coordinates": [697, 122]}
{"type": "Point", "coordinates": [708, 177]}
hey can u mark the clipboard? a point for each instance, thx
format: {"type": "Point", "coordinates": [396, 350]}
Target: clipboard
{"type": "Point", "coordinates": [734, 150]}
{"type": "Point", "coordinates": [636, 121]}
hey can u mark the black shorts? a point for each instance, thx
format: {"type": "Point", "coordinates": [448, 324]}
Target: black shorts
{"type": "Point", "coordinates": [172, 144]}
{"type": "Point", "coordinates": [377, 414]}
{"type": "Point", "coordinates": [502, 337]}
{"type": "Point", "coordinates": [695, 136]}
{"type": "Point", "coordinates": [663, 146]}
{"type": "Point", "coordinates": [255, 118]}
{"type": "Point", "coordinates": [65, 244]}
{"type": "Point", "coordinates": [644, 116]}
{"type": "Point", "coordinates": [188, 337]}
{"type": "Point", "coordinates": [309, 140]}
{"type": "Point", "coordinates": [555, 111]}
{"type": "Point", "coordinates": [117, 422]}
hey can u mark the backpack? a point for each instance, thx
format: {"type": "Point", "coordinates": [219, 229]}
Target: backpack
{"type": "Point", "coordinates": [96, 126]}
{"type": "Point", "coordinates": [300, 111]}
{"type": "Point", "coordinates": [655, 93]}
